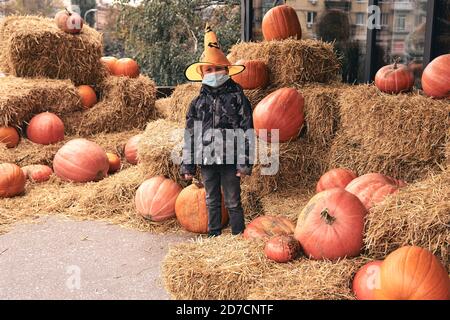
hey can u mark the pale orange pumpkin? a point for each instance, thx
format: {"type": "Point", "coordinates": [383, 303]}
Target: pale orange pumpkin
{"type": "Point", "coordinates": [9, 137]}
{"type": "Point", "coordinates": [114, 162]}
{"type": "Point", "coordinates": [69, 22]}
{"type": "Point", "coordinates": [45, 128]}
{"type": "Point", "coordinates": [255, 75]}
{"type": "Point", "coordinates": [265, 227]}
{"type": "Point", "coordinates": [155, 198]}
{"type": "Point", "coordinates": [436, 77]}
{"type": "Point", "coordinates": [367, 280]}
{"type": "Point", "coordinates": [281, 22]}
{"type": "Point", "coordinates": [37, 172]}
{"type": "Point", "coordinates": [394, 78]}
{"type": "Point", "coordinates": [282, 248]}
{"type": "Point", "coordinates": [131, 149]}
{"type": "Point", "coordinates": [12, 180]}
{"type": "Point", "coordinates": [335, 178]}
{"type": "Point", "coordinates": [87, 96]}
{"type": "Point", "coordinates": [126, 67]}
{"type": "Point", "coordinates": [109, 63]}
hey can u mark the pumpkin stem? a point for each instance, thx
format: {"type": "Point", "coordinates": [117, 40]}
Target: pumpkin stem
{"type": "Point", "coordinates": [68, 12]}
{"type": "Point", "coordinates": [198, 183]}
{"type": "Point", "coordinates": [325, 214]}
{"type": "Point", "coordinates": [396, 61]}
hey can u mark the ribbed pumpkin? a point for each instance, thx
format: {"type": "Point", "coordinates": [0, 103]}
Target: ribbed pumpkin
{"type": "Point", "coordinates": [131, 149]}
{"type": "Point", "coordinates": [87, 96]}
{"type": "Point", "coordinates": [109, 63]}
{"type": "Point", "coordinates": [126, 67]}
{"type": "Point", "coordinates": [366, 280]}
{"type": "Point", "coordinates": [394, 78]}
{"type": "Point", "coordinates": [12, 180]}
{"type": "Point", "coordinates": [281, 22]}
{"type": "Point", "coordinates": [436, 77]}
{"type": "Point", "coordinates": [255, 75]}
{"type": "Point", "coordinates": [331, 225]}
{"type": "Point", "coordinates": [413, 273]}
{"type": "Point", "coordinates": [155, 199]}
{"type": "Point", "coordinates": [265, 227]}
{"type": "Point", "coordinates": [37, 172]}
{"type": "Point", "coordinates": [282, 248]}
{"type": "Point", "coordinates": [69, 22]}
{"type": "Point", "coordinates": [282, 110]}
{"type": "Point", "coordinates": [81, 160]}
{"type": "Point", "coordinates": [335, 178]}
{"type": "Point", "coordinates": [45, 128]}
{"type": "Point", "coordinates": [9, 137]}
{"type": "Point", "coordinates": [191, 210]}
{"type": "Point", "coordinates": [372, 188]}
{"type": "Point", "coordinates": [114, 162]}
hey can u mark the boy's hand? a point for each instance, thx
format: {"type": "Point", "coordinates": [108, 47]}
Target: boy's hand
{"type": "Point", "coordinates": [240, 174]}
{"type": "Point", "coordinates": [188, 177]}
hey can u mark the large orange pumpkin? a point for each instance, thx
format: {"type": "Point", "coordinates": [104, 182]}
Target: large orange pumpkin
{"type": "Point", "coordinates": [109, 63]}
{"type": "Point", "coordinates": [331, 225]}
{"type": "Point", "coordinates": [282, 248]}
{"type": "Point", "coordinates": [413, 273]}
{"type": "Point", "coordinates": [372, 188]}
{"type": "Point", "coordinates": [436, 77]}
{"type": "Point", "coordinates": [114, 162]}
{"type": "Point", "coordinates": [45, 128]}
{"type": "Point", "coordinates": [9, 137]}
{"type": "Point", "coordinates": [281, 110]}
{"type": "Point", "coordinates": [87, 96]}
{"type": "Point", "coordinates": [255, 75]}
{"type": "Point", "coordinates": [69, 22]}
{"type": "Point", "coordinates": [37, 172]}
{"type": "Point", "coordinates": [366, 280]}
{"type": "Point", "coordinates": [335, 178]}
{"type": "Point", "coordinates": [191, 210]}
{"type": "Point", "coordinates": [394, 78]}
{"type": "Point", "coordinates": [131, 149]}
{"type": "Point", "coordinates": [126, 67]}
{"type": "Point", "coordinates": [265, 227]}
{"type": "Point", "coordinates": [281, 22]}
{"type": "Point", "coordinates": [12, 180]}
{"type": "Point", "coordinates": [81, 160]}
{"type": "Point", "coordinates": [155, 199]}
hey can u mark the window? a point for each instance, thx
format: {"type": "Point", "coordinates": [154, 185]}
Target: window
{"type": "Point", "coordinates": [310, 18]}
{"type": "Point", "coordinates": [384, 19]}
{"type": "Point", "coordinates": [360, 19]}
{"type": "Point", "coordinates": [400, 23]}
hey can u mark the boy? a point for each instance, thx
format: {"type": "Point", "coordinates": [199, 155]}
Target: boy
{"type": "Point", "coordinates": [220, 108]}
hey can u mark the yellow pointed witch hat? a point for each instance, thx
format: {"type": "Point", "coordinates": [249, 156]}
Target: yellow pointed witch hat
{"type": "Point", "coordinates": [212, 55]}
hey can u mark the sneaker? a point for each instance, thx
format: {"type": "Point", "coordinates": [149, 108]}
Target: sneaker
{"type": "Point", "coordinates": [214, 234]}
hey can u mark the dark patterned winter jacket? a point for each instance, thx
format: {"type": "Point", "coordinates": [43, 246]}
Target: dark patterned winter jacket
{"type": "Point", "coordinates": [220, 108]}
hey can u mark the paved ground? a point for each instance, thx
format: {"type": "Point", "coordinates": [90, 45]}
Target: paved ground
{"type": "Point", "coordinates": [64, 259]}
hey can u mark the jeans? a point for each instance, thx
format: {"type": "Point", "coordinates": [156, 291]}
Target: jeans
{"type": "Point", "coordinates": [216, 176]}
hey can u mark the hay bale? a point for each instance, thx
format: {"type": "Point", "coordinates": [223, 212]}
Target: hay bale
{"type": "Point", "coordinates": [33, 46]}
{"type": "Point", "coordinates": [418, 214]}
{"type": "Point", "coordinates": [288, 203]}
{"type": "Point", "coordinates": [126, 104]}
{"type": "Point", "coordinates": [399, 135]}
{"type": "Point", "coordinates": [21, 99]}
{"type": "Point", "coordinates": [292, 61]}
{"type": "Point", "coordinates": [231, 268]}
{"type": "Point", "coordinates": [163, 107]}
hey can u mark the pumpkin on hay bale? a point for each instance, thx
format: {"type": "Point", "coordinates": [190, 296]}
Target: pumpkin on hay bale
{"type": "Point", "coordinates": [125, 104]}
{"type": "Point", "coordinates": [25, 43]}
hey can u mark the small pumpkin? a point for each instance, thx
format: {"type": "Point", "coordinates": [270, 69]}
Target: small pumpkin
{"type": "Point", "coordinates": [87, 96]}
{"type": "Point", "coordinates": [131, 149]}
{"type": "Point", "coordinates": [436, 77]}
{"type": "Point", "coordinates": [191, 210]}
{"type": "Point", "coordinates": [114, 162]}
{"type": "Point", "coordinates": [45, 128]}
{"type": "Point", "coordinates": [155, 198]}
{"type": "Point", "coordinates": [265, 227]}
{"type": "Point", "coordinates": [281, 22]}
{"type": "Point", "coordinates": [394, 78]}
{"type": "Point", "coordinates": [367, 280]}
{"type": "Point", "coordinates": [9, 137]}
{"type": "Point", "coordinates": [282, 248]}
{"type": "Point", "coordinates": [12, 180]}
{"type": "Point", "coordinates": [81, 160]}
{"type": "Point", "coordinates": [413, 273]}
{"type": "Point", "coordinates": [255, 75]}
{"type": "Point", "coordinates": [281, 110]}
{"type": "Point", "coordinates": [69, 22]}
{"type": "Point", "coordinates": [37, 172]}
{"type": "Point", "coordinates": [335, 178]}
{"type": "Point", "coordinates": [126, 67]}
{"type": "Point", "coordinates": [331, 225]}
{"type": "Point", "coordinates": [109, 63]}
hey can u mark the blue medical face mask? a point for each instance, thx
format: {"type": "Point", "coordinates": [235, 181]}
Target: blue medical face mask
{"type": "Point", "coordinates": [215, 80]}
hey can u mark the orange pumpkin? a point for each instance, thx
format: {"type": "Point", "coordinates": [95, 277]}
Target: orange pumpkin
{"type": "Point", "coordinates": [12, 180]}
{"type": "Point", "coordinates": [331, 225]}
{"type": "Point", "coordinates": [81, 160]}
{"type": "Point", "coordinates": [366, 280]}
{"type": "Point", "coordinates": [87, 96]}
{"type": "Point", "coordinates": [281, 22]}
{"type": "Point", "coordinates": [109, 63]}
{"type": "Point", "coordinates": [282, 248]}
{"type": "Point", "coordinates": [126, 67]}
{"type": "Point", "coordinates": [37, 172]}
{"type": "Point", "coordinates": [436, 77]}
{"type": "Point", "coordinates": [9, 137]}
{"type": "Point", "coordinates": [394, 78]}
{"type": "Point", "coordinates": [114, 162]}
{"type": "Point", "coordinates": [156, 197]}
{"type": "Point", "coordinates": [335, 178]}
{"type": "Point", "coordinates": [281, 110]}
{"type": "Point", "coordinates": [45, 128]}
{"type": "Point", "coordinates": [69, 22]}
{"type": "Point", "coordinates": [191, 210]}
{"type": "Point", "coordinates": [265, 227]}
{"type": "Point", "coordinates": [255, 75]}
{"type": "Point", "coordinates": [413, 273]}
{"type": "Point", "coordinates": [131, 149]}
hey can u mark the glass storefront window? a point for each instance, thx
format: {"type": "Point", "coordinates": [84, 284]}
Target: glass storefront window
{"type": "Point", "coordinates": [442, 26]}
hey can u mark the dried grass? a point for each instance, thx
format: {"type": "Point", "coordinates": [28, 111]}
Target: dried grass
{"type": "Point", "coordinates": [288, 203]}
{"type": "Point", "coordinates": [163, 107]}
